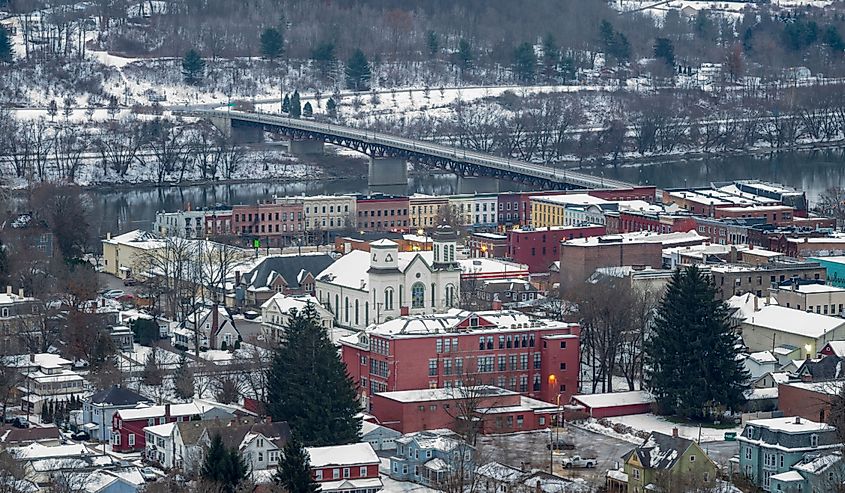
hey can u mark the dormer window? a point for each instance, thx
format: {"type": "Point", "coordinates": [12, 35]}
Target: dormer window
{"type": "Point", "coordinates": [814, 440]}
{"type": "Point", "coordinates": [749, 432]}
{"type": "Point", "coordinates": [473, 322]}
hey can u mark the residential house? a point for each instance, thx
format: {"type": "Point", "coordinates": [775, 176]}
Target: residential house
{"type": "Point", "coordinates": [760, 363]}
{"type": "Point", "coordinates": [20, 322]}
{"type": "Point", "coordinates": [345, 468]}
{"type": "Point", "coordinates": [667, 463]}
{"type": "Point", "coordinates": [495, 477]}
{"type": "Point", "coordinates": [11, 436]}
{"type": "Point", "coordinates": [276, 314]}
{"type": "Point", "coordinates": [288, 274]}
{"type": "Point", "coordinates": [99, 408]}
{"type": "Point", "coordinates": [380, 437]}
{"type": "Point", "coordinates": [508, 293]}
{"type": "Point", "coordinates": [431, 457]}
{"type": "Point", "coordinates": [42, 464]}
{"type": "Point", "coordinates": [216, 326]}
{"type": "Point", "coordinates": [48, 378]}
{"type": "Point", "coordinates": [815, 473]}
{"type": "Point", "coordinates": [768, 448]}
{"type": "Point", "coordinates": [123, 255]}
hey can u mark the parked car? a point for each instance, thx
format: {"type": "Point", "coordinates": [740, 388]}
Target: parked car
{"type": "Point", "coordinates": [20, 422]}
{"type": "Point", "coordinates": [560, 444]}
{"type": "Point", "coordinates": [149, 474]}
{"type": "Point", "coordinates": [125, 298]}
{"type": "Point", "coordinates": [113, 293]}
{"type": "Point", "coordinates": [81, 436]}
{"type": "Point", "coordinates": [578, 461]}
{"type": "Point", "coordinates": [130, 282]}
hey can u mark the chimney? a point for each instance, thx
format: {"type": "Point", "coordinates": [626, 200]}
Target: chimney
{"type": "Point", "coordinates": [675, 432]}
{"type": "Point", "coordinates": [797, 420]}
{"type": "Point", "coordinates": [215, 320]}
{"type": "Point", "coordinates": [734, 255]}
{"type": "Point", "coordinates": [756, 308]}
{"type": "Point", "coordinates": [20, 292]}
{"type": "Point", "coordinates": [497, 304]}
{"type": "Point", "coordinates": [237, 278]}
{"type": "Point", "coordinates": [166, 411]}
{"type": "Point", "coordinates": [32, 357]}
{"type": "Point", "coordinates": [108, 236]}
{"type": "Point", "coordinates": [8, 289]}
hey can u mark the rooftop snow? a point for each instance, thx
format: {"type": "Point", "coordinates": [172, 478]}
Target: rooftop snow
{"type": "Point", "coordinates": [782, 319]}
{"type": "Point", "coordinates": [342, 455]}
{"type": "Point", "coordinates": [631, 398]}
{"type": "Point", "coordinates": [442, 394]}
{"type": "Point", "coordinates": [790, 425]}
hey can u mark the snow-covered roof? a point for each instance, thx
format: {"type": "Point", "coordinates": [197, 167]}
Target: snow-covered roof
{"type": "Point", "coordinates": [482, 267]}
{"type": "Point", "coordinates": [351, 484]}
{"type": "Point", "coordinates": [499, 472]}
{"type": "Point", "coordinates": [838, 347]}
{"type": "Point", "coordinates": [787, 477]}
{"type": "Point", "coordinates": [342, 455]}
{"type": "Point", "coordinates": [666, 239]}
{"type": "Point", "coordinates": [791, 425]}
{"type": "Point", "coordinates": [284, 303]}
{"type": "Point", "coordinates": [164, 430]}
{"type": "Point", "coordinates": [596, 401]}
{"type": "Point", "coordinates": [784, 319]}
{"type": "Point", "coordinates": [441, 323]}
{"type": "Point", "coordinates": [816, 288]}
{"type": "Point", "coordinates": [570, 199]}
{"type": "Point", "coordinates": [384, 243]}
{"type": "Point", "coordinates": [440, 439]}
{"type": "Point", "coordinates": [815, 464]}
{"type": "Point", "coordinates": [763, 357]}
{"type": "Point", "coordinates": [137, 238]}
{"type": "Point", "coordinates": [38, 451]}
{"type": "Point", "coordinates": [44, 360]}
{"type": "Point", "coordinates": [425, 395]}
{"type": "Point", "coordinates": [146, 412]}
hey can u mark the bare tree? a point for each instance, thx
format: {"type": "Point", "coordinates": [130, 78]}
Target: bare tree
{"type": "Point", "coordinates": [831, 203]}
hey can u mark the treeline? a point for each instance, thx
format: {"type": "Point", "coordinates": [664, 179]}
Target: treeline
{"type": "Point", "coordinates": [554, 127]}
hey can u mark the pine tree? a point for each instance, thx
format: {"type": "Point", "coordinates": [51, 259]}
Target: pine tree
{"type": "Point", "coordinates": [272, 43]}
{"type": "Point", "coordinates": [53, 109]}
{"type": "Point", "coordinates": [152, 373]}
{"type": "Point", "coordinates": [331, 107]}
{"type": "Point", "coordinates": [295, 106]}
{"type": "Point", "coordinates": [551, 57]}
{"type": "Point", "coordinates": [308, 385]}
{"type": "Point", "coordinates": [464, 54]}
{"type": "Point", "coordinates": [690, 360]}
{"type": "Point", "coordinates": [433, 43]}
{"type": "Point", "coordinates": [664, 50]}
{"type": "Point", "coordinates": [324, 56]}
{"type": "Point", "coordinates": [224, 466]}
{"type": "Point", "coordinates": [358, 72]}
{"type": "Point", "coordinates": [184, 378]}
{"type": "Point", "coordinates": [215, 457]}
{"type": "Point", "coordinates": [5, 46]}
{"type": "Point", "coordinates": [524, 62]}
{"type": "Point", "coordinates": [307, 110]}
{"type": "Point", "coordinates": [294, 472]}
{"type": "Point", "coordinates": [286, 104]}
{"type": "Point", "coordinates": [193, 67]}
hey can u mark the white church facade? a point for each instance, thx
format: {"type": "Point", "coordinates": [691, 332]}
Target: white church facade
{"type": "Point", "coordinates": [363, 288]}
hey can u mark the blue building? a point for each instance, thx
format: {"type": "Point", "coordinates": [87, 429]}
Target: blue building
{"type": "Point", "coordinates": [835, 267]}
{"type": "Point", "coordinates": [816, 473]}
{"type": "Point", "coordinates": [431, 457]}
{"type": "Point", "coordinates": [769, 450]}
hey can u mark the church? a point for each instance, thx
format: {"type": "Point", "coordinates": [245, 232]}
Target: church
{"type": "Point", "coordinates": [363, 288]}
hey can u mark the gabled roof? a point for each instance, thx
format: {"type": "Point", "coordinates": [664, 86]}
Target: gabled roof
{"type": "Point", "coordinates": [827, 368]}
{"type": "Point", "coordinates": [118, 396]}
{"type": "Point", "coordinates": [342, 455]}
{"type": "Point", "coordinates": [288, 267]}
{"type": "Point", "coordinates": [661, 451]}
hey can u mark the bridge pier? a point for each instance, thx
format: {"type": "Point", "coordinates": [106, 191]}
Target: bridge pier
{"type": "Point", "coordinates": [305, 147]}
{"type": "Point", "coordinates": [477, 184]}
{"type": "Point", "coordinates": [388, 175]}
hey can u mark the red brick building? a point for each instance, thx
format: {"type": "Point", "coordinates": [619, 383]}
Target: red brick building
{"type": "Point", "coordinates": [218, 223]}
{"type": "Point", "coordinates": [382, 213]}
{"type": "Point", "coordinates": [772, 214]}
{"type": "Point", "coordinates": [274, 224]}
{"type": "Point", "coordinates": [633, 221]}
{"type": "Point", "coordinates": [487, 245]}
{"type": "Point", "coordinates": [507, 349]}
{"type": "Point", "coordinates": [498, 410]}
{"type": "Point", "coordinates": [807, 399]}
{"type": "Point", "coordinates": [538, 248]}
{"type": "Point", "coordinates": [647, 193]}
{"type": "Point", "coordinates": [346, 468]}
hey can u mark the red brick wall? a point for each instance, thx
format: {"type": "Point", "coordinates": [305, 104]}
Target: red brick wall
{"type": "Point", "coordinates": [388, 214]}
{"type": "Point", "coordinates": [795, 401]}
{"type": "Point", "coordinates": [527, 247]}
{"type": "Point", "coordinates": [577, 263]}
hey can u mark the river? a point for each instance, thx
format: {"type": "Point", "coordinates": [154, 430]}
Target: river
{"type": "Point", "coordinates": [120, 210]}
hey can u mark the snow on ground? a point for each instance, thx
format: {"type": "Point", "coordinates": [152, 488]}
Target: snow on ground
{"type": "Point", "coordinates": [595, 427]}
{"type": "Point", "coordinates": [135, 359]}
{"type": "Point", "coordinates": [650, 422]}
{"type": "Point", "coordinates": [393, 486]}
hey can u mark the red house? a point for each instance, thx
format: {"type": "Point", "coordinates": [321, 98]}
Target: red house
{"type": "Point", "coordinates": [496, 410]}
{"type": "Point", "coordinates": [538, 248]}
{"type": "Point", "coordinates": [537, 358]}
{"type": "Point", "coordinates": [345, 468]}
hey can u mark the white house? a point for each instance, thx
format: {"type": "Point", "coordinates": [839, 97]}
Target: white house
{"type": "Point", "coordinates": [216, 326]}
{"type": "Point", "coordinates": [362, 288]}
{"type": "Point", "coordinates": [98, 409]}
{"type": "Point", "coordinates": [276, 314]}
{"type": "Point", "coordinates": [761, 363]}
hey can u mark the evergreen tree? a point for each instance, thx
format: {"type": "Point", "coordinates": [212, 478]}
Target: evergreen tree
{"type": "Point", "coordinates": [524, 62]}
{"type": "Point", "coordinates": [464, 55]}
{"type": "Point", "coordinates": [145, 331]}
{"type": "Point", "coordinates": [215, 458]}
{"type": "Point", "coordinates": [295, 106]}
{"type": "Point", "coordinates": [193, 67]}
{"type": "Point", "coordinates": [286, 104]}
{"type": "Point", "coordinates": [664, 50]}
{"type": "Point", "coordinates": [294, 472]}
{"type": "Point", "coordinates": [433, 43]}
{"type": "Point", "coordinates": [358, 72]}
{"type": "Point", "coordinates": [324, 56]}
{"type": "Point", "coordinates": [551, 57]}
{"type": "Point", "coordinates": [272, 43]}
{"type": "Point", "coordinates": [831, 38]}
{"type": "Point", "coordinates": [567, 69]}
{"type": "Point", "coordinates": [308, 385]}
{"type": "Point", "coordinates": [152, 373]}
{"type": "Point", "coordinates": [184, 378]}
{"type": "Point", "coordinates": [224, 466]}
{"type": "Point", "coordinates": [331, 107]}
{"type": "Point", "coordinates": [307, 110]}
{"type": "Point", "coordinates": [5, 46]}
{"type": "Point", "coordinates": [53, 109]}
{"type": "Point", "coordinates": [690, 362]}
{"type": "Point", "coordinates": [607, 35]}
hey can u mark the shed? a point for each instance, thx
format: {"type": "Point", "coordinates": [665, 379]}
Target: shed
{"type": "Point", "coordinates": [615, 403]}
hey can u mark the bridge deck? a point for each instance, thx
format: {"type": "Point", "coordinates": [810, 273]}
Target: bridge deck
{"type": "Point", "coordinates": [417, 146]}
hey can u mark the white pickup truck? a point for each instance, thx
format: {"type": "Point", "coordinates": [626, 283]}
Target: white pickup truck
{"type": "Point", "coordinates": [578, 461]}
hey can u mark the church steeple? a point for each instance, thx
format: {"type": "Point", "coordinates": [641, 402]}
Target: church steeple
{"type": "Point", "coordinates": [445, 242]}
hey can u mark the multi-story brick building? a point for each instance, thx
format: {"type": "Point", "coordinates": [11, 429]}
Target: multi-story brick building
{"type": "Point", "coordinates": [534, 357]}
{"type": "Point", "coordinates": [424, 210]}
{"type": "Point", "coordinates": [329, 213]}
{"type": "Point", "coordinates": [771, 214]}
{"type": "Point", "coordinates": [487, 245]}
{"type": "Point", "coordinates": [272, 223]}
{"type": "Point", "coordinates": [630, 221]}
{"type": "Point", "coordinates": [218, 223]}
{"type": "Point", "coordinates": [382, 213]}
{"type": "Point", "coordinates": [568, 210]}
{"type": "Point", "coordinates": [733, 279]}
{"type": "Point", "coordinates": [538, 248]}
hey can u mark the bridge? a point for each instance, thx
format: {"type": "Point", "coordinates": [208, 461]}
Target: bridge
{"type": "Point", "coordinates": [389, 153]}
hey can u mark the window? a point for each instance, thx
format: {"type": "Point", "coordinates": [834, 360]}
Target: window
{"type": "Point", "coordinates": [432, 367]}
{"type": "Point", "coordinates": [537, 361]}
{"type": "Point", "coordinates": [814, 440]}
{"type": "Point", "coordinates": [438, 346]}
{"type": "Point", "coordinates": [335, 473]}
{"type": "Point", "coordinates": [345, 472]}
{"type": "Point", "coordinates": [319, 475]}
{"type": "Point", "coordinates": [131, 439]}
{"type": "Point", "coordinates": [388, 299]}
{"type": "Point", "coordinates": [362, 471]}
{"type": "Point", "coordinates": [260, 456]}
{"type": "Point", "coordinates": [418, 295]}
{"type": "Point", "coordinates": [563, 366]}
{"type": "Point", "coordinates": [636, 473]}
{"type": "Point", "coordinates": [692, 458]}
{"type": "Point", "coordinates": [748, 453]}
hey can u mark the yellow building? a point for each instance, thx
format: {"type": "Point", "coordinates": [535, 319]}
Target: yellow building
{"type": "Point", "coordinates": [424, 209]}
{"type": "Point", "coordinates": [667, 463]}
{"type": "Point", "coordinates": [566, 210]}
{"type": "Point", "coordinates": [123, 254]}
